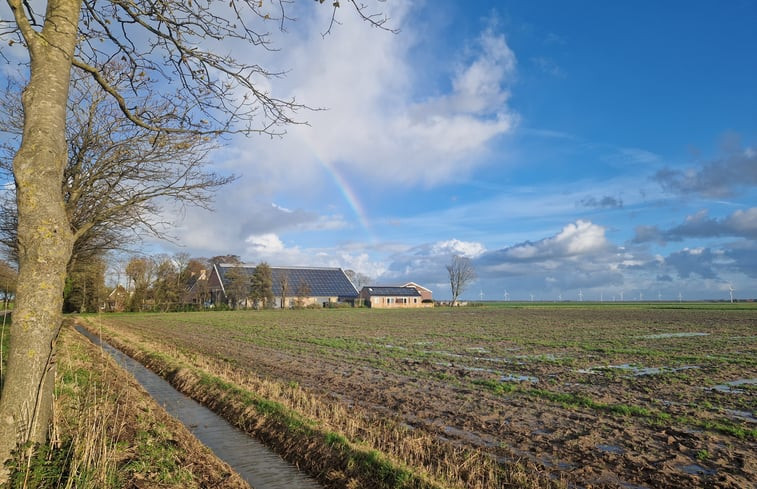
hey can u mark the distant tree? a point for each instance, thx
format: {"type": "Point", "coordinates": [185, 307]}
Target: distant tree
{"type": "Point", "coordinates": [262, 286]}
{"type": "Point", "coordinates": [166, 287]}
{"type": "Point", "coordinates": [302, 293]}
{"type": "Point", "coordinates": [284, 288]}
{"type": "Point", "coordinates": [8, 276]}
{"type": "Point", "coordinates": [461, 274]}
{"type": "Point", "coordinates": [85, 286]}
{"type": "Point", "coordinates": [238, 286]}
{"type": "Point", "coordinates": [225, 259]}
{"type": "Point", "coordinates": [139, 270]}
{"type": "Point", "coordinates": [358, 279]}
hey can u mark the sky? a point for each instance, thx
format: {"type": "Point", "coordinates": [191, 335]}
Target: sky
{"type": "Point", "coordinates": [571, 150]}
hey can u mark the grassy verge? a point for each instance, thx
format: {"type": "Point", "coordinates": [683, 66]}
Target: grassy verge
{"type": "Point", "coordinates": [342, 446]}
{"type": "Point", "coordinates": [108, 433]}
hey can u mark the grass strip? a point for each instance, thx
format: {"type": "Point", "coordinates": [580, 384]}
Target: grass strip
{"type": "Point", "coordinates": [332, 457]}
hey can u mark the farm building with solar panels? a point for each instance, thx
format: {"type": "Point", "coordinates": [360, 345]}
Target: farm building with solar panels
{"type": "Point", "coordinates": [291, 286]}
{"type": "Point", "coordinates": [409, 295]}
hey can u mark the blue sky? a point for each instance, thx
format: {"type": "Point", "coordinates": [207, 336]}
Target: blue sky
{"type": "Point", "coordinates": [600, 148]}
{"type": "Point", "coordinates": [605, 149]}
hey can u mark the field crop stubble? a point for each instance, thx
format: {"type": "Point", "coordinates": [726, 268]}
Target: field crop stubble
{"type": "Point", "coordinates": [442, 370]}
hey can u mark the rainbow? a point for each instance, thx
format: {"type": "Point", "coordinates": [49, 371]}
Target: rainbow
{"type": "Point", "coordinates": [350, 197]}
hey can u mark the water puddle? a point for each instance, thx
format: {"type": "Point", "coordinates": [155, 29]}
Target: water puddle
{"type": "Point", "coordinates": [610, 449]}
{"type": "Point", "coordinates": [742, 415]}
{"type": "Point", "coordinates": [519, 378]}
{"type": "Point", "coordinates": [637, 371]}
{"type": "Point", "coordinates": [732, 387]}
{"type": "Point", "coordinates": [259, 466]}
{"type": "Point", "coordinates": [661, 336]}
{"type": "Point", "coordinates": [695, 469]}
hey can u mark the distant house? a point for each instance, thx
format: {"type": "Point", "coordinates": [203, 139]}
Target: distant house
{"type": "Point", "coordinates": [426, 294]}
{"type": "Point", "coordinates": [292, 286]}
{"type": "Point", "coordinates": [116, 300]}
{"type": "Point", "coordinates": [198, 292]}
{"type": "Point", "coordinates": [382, 297]}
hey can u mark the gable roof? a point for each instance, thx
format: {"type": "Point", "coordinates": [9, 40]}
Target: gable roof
{"type": "Point", "coordinates": [391, 291]}
{"type": "Point", "coordinates": [322, 282]}
{"type": "Point", "coordinates": [416, 286]}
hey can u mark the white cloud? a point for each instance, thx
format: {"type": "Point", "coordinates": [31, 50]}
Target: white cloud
{"type": "Point", "coordinates": [264, 244]}
{"type": "Point", "coordinates": [579, 238]}
{"type": "Point", "coordinates": [378, 124]}
{"type": "Point", "coordinates": [456, 247]}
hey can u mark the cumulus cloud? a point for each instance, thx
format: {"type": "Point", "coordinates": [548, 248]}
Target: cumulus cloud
{"type": "Point", "coordinates": [577, 238]}
{"type": "Point", "coordinates": [741, 223]}
{"type": "Point", "coordinates": [721, 177]}
{"type": "Point", "coordinates": [377, 125]}
{"type": "Point", "coordinates": [469, 249]}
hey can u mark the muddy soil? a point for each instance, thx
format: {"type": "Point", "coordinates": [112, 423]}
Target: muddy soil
{"type": "Point", "coordinates": [435, 373]}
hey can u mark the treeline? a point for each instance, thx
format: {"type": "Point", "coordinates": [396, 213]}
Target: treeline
{"type": "Point", "coordinates": [141, 283]}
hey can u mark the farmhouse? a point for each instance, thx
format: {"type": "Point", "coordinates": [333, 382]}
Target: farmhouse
{"type": "Point", "coordinates": [393, 297]}
{"type": "Point", "coordinates": [426, 294]}
{"type": "Point", "coordinates": [292, 286]}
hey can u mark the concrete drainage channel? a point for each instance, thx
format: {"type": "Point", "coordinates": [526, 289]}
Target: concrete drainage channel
{"type": "Point", "coordinates": [259, 466]}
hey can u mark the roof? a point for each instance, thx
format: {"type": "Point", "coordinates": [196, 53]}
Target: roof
{"type": "Point", "coordinates": [392, 291]}
{"type": "Point", "coordinates": [322, 282]}
{"type": "Point", "coordinates": [416, 286]}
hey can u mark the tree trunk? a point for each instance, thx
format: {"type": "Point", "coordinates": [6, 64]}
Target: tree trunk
{"type": "Point", "coordinates": [44, 236]}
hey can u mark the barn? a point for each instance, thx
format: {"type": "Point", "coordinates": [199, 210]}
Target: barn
{"type": "Point", "coordinates": [292, 286]}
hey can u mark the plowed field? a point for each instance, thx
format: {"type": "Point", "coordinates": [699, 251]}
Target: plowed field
{"type": "Point", "coordinates": [657, 396]}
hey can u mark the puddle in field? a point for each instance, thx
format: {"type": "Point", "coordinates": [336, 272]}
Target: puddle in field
{"type": "Point", "coordinates": [695, 469]}
{"type": "Point", "coordinates": [259, 466]}
{"type": "Point", "coordinates": [731, 387]}
{"type": "Point", "coordinates": [742, 415]}
{"type": "Point", "coordinates": [637, 371]}
{"type": "Point", "coordinates": [610, 449]}
{"type": "Point", "coordinates": [477, 349]}
{"type": "Point", "coordinates": [519, 378]}
{"type": "Point", "coordinates": [661, 336]}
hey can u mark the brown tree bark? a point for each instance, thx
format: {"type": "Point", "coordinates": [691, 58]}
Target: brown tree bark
{"type": "Point", "coordinates": [44, 236]}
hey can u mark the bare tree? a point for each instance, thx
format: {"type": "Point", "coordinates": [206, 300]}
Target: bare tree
{"type": "Point", "coordinates": [461, 274]}
{"type": "Point", "coordinates": [129, 49]}
{"type": "Point", "coordinates": [302, 292]}
{"type": "Point", "coordinates": [118, 178]}
{"type": "Point", "coordinates": [283, 288]}
{"type": "Point", "coordinates": [359, 280]}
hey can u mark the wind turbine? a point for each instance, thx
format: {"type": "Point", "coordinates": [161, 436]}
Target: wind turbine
{"type": "Point", "coordinates": [659, 296]}
{"type": "Point", "coordinates": [532, 297]}
{"type": "Point", "coordinates": [730, 291]}
{"type": "Point", "coordinates": [559, 297]}
{"type": "Point", "coordinates": [680, 296]}
{"type": "Point", "coordinates": [507, 296]}
{"type": "Point", "coordinates": [580, 295]}
{"type": "Point", "coordinates": [641, 296]}
{"type": "Point", "coordinates": [621, 296]}
{"type": "Point", "coordinates": [481, 295]}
